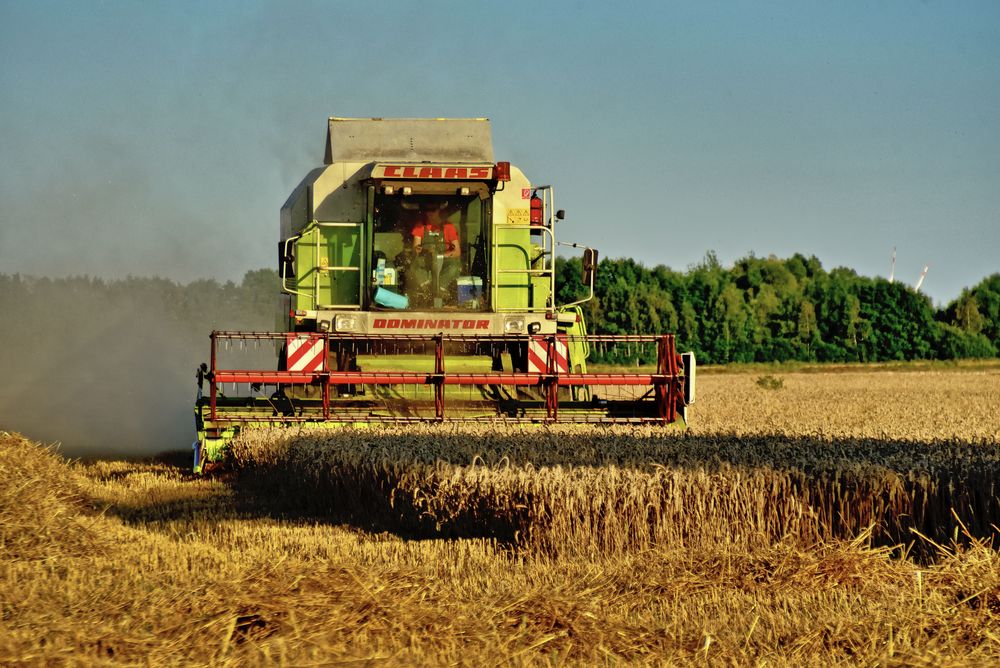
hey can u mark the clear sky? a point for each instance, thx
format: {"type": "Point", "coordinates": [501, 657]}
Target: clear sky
{"type": "Point", "coordinates": [162, 137]}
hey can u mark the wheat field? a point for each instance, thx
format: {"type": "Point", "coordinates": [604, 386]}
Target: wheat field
{"type": "Point", "coordinates": [805, 518]}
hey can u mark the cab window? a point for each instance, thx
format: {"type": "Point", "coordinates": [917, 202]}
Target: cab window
{"type": "Point", "coordinates": [429, 252]}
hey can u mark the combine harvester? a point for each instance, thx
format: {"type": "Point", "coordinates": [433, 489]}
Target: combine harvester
{"type": "Point", "coordinates": [418, 284]}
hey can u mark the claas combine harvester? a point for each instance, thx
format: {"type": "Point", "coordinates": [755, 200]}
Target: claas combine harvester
{"type": "Point", "coordinates": [418, 283]}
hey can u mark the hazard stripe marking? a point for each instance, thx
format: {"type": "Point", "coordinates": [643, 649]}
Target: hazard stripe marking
{"type": "Point", "coordinates": [562, 356]}
{"type": "Point", "coordinates": [305, 353]}
{"type": "Point", "coordinates": [538, 355]}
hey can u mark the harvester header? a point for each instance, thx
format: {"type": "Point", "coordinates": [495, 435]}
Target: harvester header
{"type": "Point", "coordinates": [418, 283]}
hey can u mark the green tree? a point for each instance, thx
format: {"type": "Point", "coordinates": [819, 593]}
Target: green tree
{"type": "Point", "coordinates": [967, 315]}
{"type": "Point", "coordinates": [807, 330]}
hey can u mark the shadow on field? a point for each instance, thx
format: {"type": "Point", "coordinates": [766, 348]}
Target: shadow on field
{"type": "Point", "coordinates": [223, 494]}
{"type": "Point", "coordinates": [616, 492]}
{"type": "Point", "coordinates": [379, 504]}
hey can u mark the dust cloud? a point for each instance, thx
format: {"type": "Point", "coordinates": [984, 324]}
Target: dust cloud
{"type": "Point", "coordinates": [108, 368]}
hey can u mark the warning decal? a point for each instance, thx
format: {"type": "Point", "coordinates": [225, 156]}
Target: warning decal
{"type": "Point", "coordinates": [517, 217]}
{"type": "Point", "coordinates": [538, 355]}
{"type": "Point", "coordinates": [305, 352]}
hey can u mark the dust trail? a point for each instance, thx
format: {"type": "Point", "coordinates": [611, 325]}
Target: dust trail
{"type": "Point", "coordinates": [108, 367]}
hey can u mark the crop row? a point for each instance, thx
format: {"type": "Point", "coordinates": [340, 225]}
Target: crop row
{"type": "Point", "coordinates": [613, 490]}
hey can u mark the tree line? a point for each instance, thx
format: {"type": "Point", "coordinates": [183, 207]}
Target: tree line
{"type": "Point", "coordinates": [758, 310]}
{"type": "Point", "coordinates": [772, 309]}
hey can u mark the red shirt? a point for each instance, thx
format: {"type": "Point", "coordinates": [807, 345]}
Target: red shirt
{"type": "Point", "coordinates": [448, 232]}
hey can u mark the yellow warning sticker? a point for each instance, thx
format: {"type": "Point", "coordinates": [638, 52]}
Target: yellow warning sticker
{"type": "Point", "coordinates": [517, 217]}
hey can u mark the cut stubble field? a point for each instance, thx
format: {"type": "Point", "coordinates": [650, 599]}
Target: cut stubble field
{"type": "Point", "coordinates": [829, 518]}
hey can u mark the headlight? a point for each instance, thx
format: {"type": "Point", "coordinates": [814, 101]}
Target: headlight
{"type": "Point", "coordinates": [513, 325]}
{"type": "Point", "coordinates": [323, 325]}
{"type": "Point", "coordinates": [347, 323]}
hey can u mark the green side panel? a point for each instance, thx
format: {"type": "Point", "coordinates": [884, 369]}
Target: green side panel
{"type": "Point", "coordinates": [328, 267]}
{"type": "Point", "coordinates": [513, 251]}
{"type": "Point", "coordinates": [539, 291]}
{"type": "Point", "coordinates": [579, 349]}
{"type": "Point", "coordinates": [539, 284]}
{"type": "Point", "coordinates": [424, 364]}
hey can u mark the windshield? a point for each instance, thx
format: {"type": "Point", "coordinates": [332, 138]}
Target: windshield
{"type": "Point", "coordinates": [429, 252]}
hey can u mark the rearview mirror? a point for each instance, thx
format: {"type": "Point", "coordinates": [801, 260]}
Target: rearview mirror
{"type": "Point", "coordinates": [560, 214]}
{"type": "Point", "coordinates": [286, 259]}
{"type": "Point", "coordinates": [589, 265]}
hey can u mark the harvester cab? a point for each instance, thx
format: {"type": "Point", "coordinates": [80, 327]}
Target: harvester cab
{"type": "Point", "coordinates": [418, 283]}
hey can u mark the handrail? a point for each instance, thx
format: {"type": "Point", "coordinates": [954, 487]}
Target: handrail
{"type": "Point", "coordinates": [318, 270]}
{"type": "Point", "coordinates": [592, 274]}
{"type": "Point", "coordinates": [284, 276]}
{"type": "Point", "coordinates": [547, 252]}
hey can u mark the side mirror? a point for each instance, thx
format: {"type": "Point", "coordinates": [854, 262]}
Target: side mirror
{"type": "Point", "coordinates": [560, 214]}
{"type": "Point", "coordinates": [286, 258]}
{"type": "Point", "coordinates": [589, 265]}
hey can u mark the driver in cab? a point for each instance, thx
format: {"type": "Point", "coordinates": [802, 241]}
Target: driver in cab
{"type": "Point", "coordinates": [436, 257]}
{"type": "Point", "coordinates": [430, 223]}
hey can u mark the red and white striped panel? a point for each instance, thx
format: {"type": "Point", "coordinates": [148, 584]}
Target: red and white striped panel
{"type": "Point", "coordinates": [538, 355]}
{"type": "Point", "coordinates": [305, 352]}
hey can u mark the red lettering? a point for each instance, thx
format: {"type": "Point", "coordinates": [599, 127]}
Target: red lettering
{"type": "Point", "coordinates": [482, 324]}
{"type": "Point", "coordinates": [456, 324]}
{"type": "Point", "coordinates": [443, 324]}
{"type": "Point", "coordinates": [468, 324]}
{"type": "Point", "coordinates": [379, 323]}
{"type": "Point", "coordinates": [392, 324]}
{"type": "Point", "coordinates": [407, 324]}
{"type": "Point", "coordinates": [415, 172]}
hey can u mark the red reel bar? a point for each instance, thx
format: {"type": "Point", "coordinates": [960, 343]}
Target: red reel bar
{"type": "Point", "coordinates": [418, 378]}
{"type": "Point", "coordinates": [665, 384]}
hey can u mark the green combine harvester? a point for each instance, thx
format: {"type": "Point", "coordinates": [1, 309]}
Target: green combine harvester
{"type": "Point", "coordinates": [418, 284]}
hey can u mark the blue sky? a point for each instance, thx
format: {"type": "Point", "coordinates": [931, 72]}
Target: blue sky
{"type": "Point", "coordinates": [162, 137]}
